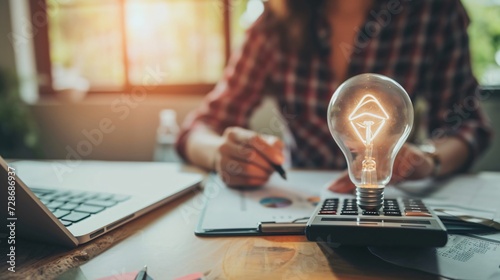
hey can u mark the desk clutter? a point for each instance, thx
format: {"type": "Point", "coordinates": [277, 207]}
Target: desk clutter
{"type": "Point", "coordinates": [467, 206]}
{"type": "Point", "coordinates": [419, 233]}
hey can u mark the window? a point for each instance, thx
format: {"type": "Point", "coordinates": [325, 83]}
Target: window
{"type": "Point", "coordinates": [117, 44]}
{"type": "Point", "coordinates": [182, 44]}
{"type": "Point", "coordinates": [484, 33]}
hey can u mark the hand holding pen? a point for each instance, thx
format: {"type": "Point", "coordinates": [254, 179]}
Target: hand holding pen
{"type": "Point", "coordinates": [246, 158]}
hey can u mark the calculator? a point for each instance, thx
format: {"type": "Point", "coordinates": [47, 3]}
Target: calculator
{"type": "Point", "coordinates": [399, 222]}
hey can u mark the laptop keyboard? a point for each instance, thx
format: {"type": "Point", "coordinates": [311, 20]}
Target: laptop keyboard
{"type": "Point", "coordinates": [71, 207]}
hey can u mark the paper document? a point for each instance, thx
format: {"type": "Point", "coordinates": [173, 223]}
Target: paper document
{"type": "Point", "coordinates": [464, 257]}
{"type": "Point", "coordinates": [475, 191]}
{"type": "Point", "coordinates": [473, 256]}
{"type": "Point", "coordinates": [278, 201]}
{"type": "Point", "coordinates": [471, 198]}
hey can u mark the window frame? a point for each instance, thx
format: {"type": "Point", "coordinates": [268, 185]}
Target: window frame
{"type": "Point", "coordinates": [38, 11]}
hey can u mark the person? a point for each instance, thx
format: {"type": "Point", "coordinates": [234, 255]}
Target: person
{"type": "Point", "coordinates": [299, 52]}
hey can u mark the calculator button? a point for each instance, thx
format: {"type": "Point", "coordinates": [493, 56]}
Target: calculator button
{"type": "Point", "coordinates": [349, 212]}
{"type": "Point", "coordinates": [370, 213]}
{"type": "Point", "coordinates": [392, 213]}
{"type": "Point", "coordinates": [327, 212]}
{"type": "Point", "coordinates": [414, 204]}
{"type": "Point", "coordinates": [416, 209]}
{"type": "Point", "coordinates": [410, 200]}
{"type": "Point", "coordinates": [390, 205]}
{"type": "Point", "coordinates": [330, 206]}
{"type": "Point", "coordinates": [417, 214]}
{"type": "Point", "coordinates": [330, 203]}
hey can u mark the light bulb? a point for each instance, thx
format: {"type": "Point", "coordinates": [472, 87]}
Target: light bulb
{"type": "Point", "coordinates": [370, 117]}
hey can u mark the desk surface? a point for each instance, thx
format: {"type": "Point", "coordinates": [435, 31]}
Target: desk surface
{"type": "Point", "coordinates": [164, 241]}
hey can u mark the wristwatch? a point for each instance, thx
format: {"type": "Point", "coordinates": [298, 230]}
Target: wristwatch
{"type": "Point", "coordinates": [429, 149]}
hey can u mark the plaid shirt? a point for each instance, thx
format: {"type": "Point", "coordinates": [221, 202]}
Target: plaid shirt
{"type": "Point", "coordinates": [423, 45]}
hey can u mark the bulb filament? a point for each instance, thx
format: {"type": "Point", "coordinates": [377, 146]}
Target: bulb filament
{"type": "Point", "coordinates": [370, 116]}
{"type": "Point", "coordinates": [369, 166]}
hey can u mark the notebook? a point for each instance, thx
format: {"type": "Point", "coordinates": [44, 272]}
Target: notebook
{"type": "Point", "coordinates": [72, 202]}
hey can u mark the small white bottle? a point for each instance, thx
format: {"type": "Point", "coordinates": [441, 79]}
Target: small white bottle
{"type": "Point", "coordinates": [166, 136]}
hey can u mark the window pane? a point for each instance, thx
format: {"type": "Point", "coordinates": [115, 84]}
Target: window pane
{"type": "Point", "coordinates": [179, 39]}
{"type": "Point", "coordinates": [484, 34]}
{"type": "Point", "coordinates": [85, 35]}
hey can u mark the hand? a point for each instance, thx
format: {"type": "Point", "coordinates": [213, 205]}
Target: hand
{"type": "Point", "coordinates": [244, 156]}
{"type": "Point", "coordinates": [410, 164]}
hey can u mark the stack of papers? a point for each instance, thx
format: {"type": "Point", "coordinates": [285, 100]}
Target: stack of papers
{"type": "Point", "coordinates": [475, 255]}
{"type": "Point", "coordinates": [463, 257]}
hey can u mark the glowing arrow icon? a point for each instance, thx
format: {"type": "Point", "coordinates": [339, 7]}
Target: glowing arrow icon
{"type": "Point", "coordinates": [368, 118]}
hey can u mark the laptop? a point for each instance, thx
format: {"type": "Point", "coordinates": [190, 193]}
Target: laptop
{"type": "Point", "coordinates": [72, 202]}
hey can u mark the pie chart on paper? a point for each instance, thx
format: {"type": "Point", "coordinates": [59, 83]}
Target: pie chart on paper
{"type": "Point", "coordinates": [275, 202]}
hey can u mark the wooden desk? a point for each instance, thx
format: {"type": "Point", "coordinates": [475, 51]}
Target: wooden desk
{"type": "Point", "coordinates": [164, 240]}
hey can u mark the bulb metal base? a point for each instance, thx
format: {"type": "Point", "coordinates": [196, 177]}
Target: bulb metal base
{"type": "Point", "coordinates": [370, 199]}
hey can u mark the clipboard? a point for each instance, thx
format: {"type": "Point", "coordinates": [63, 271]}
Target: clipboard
{"type": "Point", "coordinates": [263, 228]}
{"type": "Point", "coordinates": [277, 208]}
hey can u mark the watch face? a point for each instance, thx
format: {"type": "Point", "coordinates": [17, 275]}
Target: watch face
{"type": "Point", "coordinates": [428, 148]}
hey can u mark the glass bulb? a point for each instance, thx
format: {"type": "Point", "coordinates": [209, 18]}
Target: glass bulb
{"type": "Point", "coordinates": [370, 117]}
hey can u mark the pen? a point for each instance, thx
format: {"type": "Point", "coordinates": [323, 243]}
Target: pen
{"type": "Point", "coordinates": [143, 274]}
{"type": "Point", "coordinates": [260, 145]}
{"type": "Point", "coordinates": [279, 169]}
{"type": "Point", "coordinates": [464, 217]}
